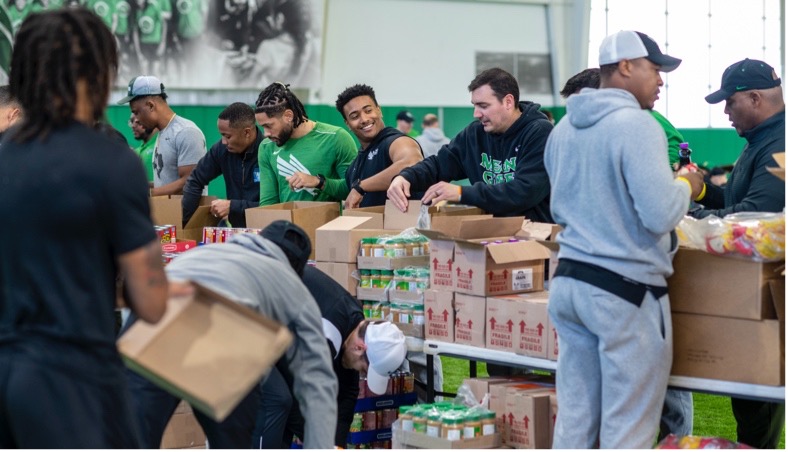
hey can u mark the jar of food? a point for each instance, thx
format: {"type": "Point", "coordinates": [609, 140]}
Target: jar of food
{"type": "Point", "coordinates": [473, 426]}
{"type": "Point", "coordinates": [366, 281]}
{"type": "Point", "coordinates": [488, 423]}
{"type": "Point", "coordinates": [425, 245]}
{"type": "Point", "coordinates": [375, 311]}
{"type": "Point", "coordinates": [394, 311]}
{"type": "Point", "coordinates": [422, 279]}
{"type": "Point", "coordinates": [413, 247]}
{"type": "Point", "coordinates": [402, 279]}
{"type": "Point", "coordinates": [367, 308]}
{"type": "Point", "coordinates": [419, 419]}
{"type": "Point", "coordinates": [405, 312]}
{"type": "Point", "coordinates": [406, 418]}
{"type": "Point", "coordinates": [408, 383]}
{"type": "Point", "coordinates": [452, 428]}
{"type": "Point", "coordinates": [386, 276]}
{"type": "Point", "coordinates": [418, 314]}
{"type": "Point", "coordinates": [434, 425]}
{"type": "Point", "coordinates": [394, 248]}
{"type": "Point", "coordinates": [377, 248]}
{"type": "Point", "coordinates": [374, 279]}
{"type": "Point", "coordinates": [366, 246]}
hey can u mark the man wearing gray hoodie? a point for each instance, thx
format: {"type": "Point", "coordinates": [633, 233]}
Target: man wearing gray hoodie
{"type": "Point", "coordinates": [254, 271]}
{"type": "Point", "coordinates": [615, 197]}
{"type": "Point", "coordinates": [432, 137]}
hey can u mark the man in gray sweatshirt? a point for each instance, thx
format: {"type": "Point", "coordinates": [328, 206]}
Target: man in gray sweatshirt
{"type": "Point", "coordinates": [615, 197]}
{"type": "Point", "coordinates": [254, 271]}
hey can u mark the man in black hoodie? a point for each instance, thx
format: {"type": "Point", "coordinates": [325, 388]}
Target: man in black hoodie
{"type": "Point", "coordinates": [385, 151]}
{"type": "Point", "coordinates": [501, 154]}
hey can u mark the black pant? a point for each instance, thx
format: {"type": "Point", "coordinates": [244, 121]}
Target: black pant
{"type": "Point", "coordinates": [154, 408]}
{"type": "Point", "coordinates": [275, 418]}
{"type": "Point", "coordinates": [758, 424]}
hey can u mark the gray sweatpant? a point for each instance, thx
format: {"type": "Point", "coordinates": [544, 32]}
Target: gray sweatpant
{"type": "Point", "coordinates": [613, 366]}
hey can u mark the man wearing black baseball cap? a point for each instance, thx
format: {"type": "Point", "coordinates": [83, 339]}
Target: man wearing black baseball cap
{"type": "Point", "coordinates": [405, 122]}
{"type": "Point", "coordinates": [754, 104]}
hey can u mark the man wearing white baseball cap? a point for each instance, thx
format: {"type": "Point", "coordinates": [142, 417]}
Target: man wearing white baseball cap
{"type": "Point", "coordinates": [385, 353]}
{"type": "Point", "coordinates": [609, 298]}
{"type": "Point", "coordinates": [180, 143]}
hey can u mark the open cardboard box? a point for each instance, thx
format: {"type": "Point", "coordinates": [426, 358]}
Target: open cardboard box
{"type": "Point", "coordinates": [393, 218]}
{"type": "Point", "coordinates": [169, 210]}
{"type": "Point", "coordinates": [207, 350]}
{"type": "Point", "coordinates": [308, 215]}
{"type": "Point", "coordinates": [338, 240]}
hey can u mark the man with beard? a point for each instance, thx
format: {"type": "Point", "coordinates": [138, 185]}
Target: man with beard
{"type": "Point", "coordinates": [300, 159]}
{"type": "Point", "coordinates": [144, 150]}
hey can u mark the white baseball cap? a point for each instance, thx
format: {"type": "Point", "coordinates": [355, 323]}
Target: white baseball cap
{"type": "Point", "coordinates": [144, 85]}
{"type": "Point", "coordinates": [385, 351]}
{"type": "Point", "coordinates": [629, 45]}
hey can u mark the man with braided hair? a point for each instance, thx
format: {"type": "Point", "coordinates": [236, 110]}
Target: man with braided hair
{"type": "Point", "coordinates": [300, 159]}
{"type": "Point", "coordinates": [62, 382]}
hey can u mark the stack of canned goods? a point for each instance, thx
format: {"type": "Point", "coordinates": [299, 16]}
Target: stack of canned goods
{"type": "Point", "coordinates": [447, 420]}
{"type": "Point", "coordinates": [412, 279]}
{"type": "Point", "coordinates": [396, 246]}
{"type": "Point", "coordinates": [221, 235]}
{"type": "Point", "coordinates": [166, 233]}
{"type": "Point", "coordinates": [399, 383]}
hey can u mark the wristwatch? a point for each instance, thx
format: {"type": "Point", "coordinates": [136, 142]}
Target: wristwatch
{"type": "Point", "coordinates": [357, 186]}
{"type": "Point", "coordinates": [322, 182]}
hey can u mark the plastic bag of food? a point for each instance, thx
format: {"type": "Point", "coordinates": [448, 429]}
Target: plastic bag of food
{"type": "Point", "coordinates": [757, 236]}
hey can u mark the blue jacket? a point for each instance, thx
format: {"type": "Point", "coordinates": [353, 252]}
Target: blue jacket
{"type": "Point", "coordinates": [506, 170]}
{"type": "Point", "coordinates": [750, 187]}
{"type": "Point", "coordinates": [241, 178]}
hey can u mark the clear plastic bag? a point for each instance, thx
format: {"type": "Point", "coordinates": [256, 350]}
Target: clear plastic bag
{"type": "Point", "coordinates": [756, 236]}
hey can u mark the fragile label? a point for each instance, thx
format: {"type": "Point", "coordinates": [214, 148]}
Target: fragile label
{"type": "Point", "coordinates": [522, 279]}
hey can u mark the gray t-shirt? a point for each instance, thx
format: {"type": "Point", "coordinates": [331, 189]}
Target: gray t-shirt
{"type": "Point", "coordinates": [181, 143]}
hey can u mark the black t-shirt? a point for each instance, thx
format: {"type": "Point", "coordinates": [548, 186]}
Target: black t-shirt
{"type": "Point", "coordinates": [72, 204]}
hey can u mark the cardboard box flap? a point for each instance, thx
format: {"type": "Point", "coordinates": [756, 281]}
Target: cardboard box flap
{"type": "Point", "coordinates": [494, 227]}
{"type": "Point", "coordinates": [777, 288]}
{"type": "Point", "coordinates": [166, 210]}
{"type": "Point", "coordinates": [779, 157]}
{"type": "Point", "coordinates": [523, 250]}
{"type": "Point", "coordinates": [201, 218]}
{"type": "Point", "coordinates": [450, 225]}
{"type": "Point", "coordinates": [539, 231]}
{"type": "Point", "coordinates": [552, 246]}
{"type": "Point", "coordinates": [208, 351]}
{"type": "Point", "coordinates": [347, 223]}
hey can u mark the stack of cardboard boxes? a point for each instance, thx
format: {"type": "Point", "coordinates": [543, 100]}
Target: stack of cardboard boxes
{"type": "Point", "coordinates": [728, 318]}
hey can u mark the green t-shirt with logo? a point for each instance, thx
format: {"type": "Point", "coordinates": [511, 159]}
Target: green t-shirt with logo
{"type": "Point", "coordinates": [122, 10]}
{"type": "Point", "coordinates": [326, 150]}
{"type": "Point", "coordinates": [191, 22]}
{"type": "Point", "coordinates": [150, 20]}
{"type": "Point", "coordinates": [145, 151]}
{"type": "Point", "coordinates": [105, 9]}
{"type": "Point", "coordinates": [17, 15]}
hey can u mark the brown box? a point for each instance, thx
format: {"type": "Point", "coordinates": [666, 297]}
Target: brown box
{"type": "Point", "coordinates": [723, 348]}
{"type": "Point", "coordinates": [338, 240]}
{"type": "Point", "coordinates": [169, 210]}
{"type": "Point", "coordinates": [206, 350]}
{"type": "Point", "coordinates": [533, 325]}
{"type": "Point", "coordinates": [340, 272]}
{"type": "Point", "coordinates": [183, 431]}
{"type": "Point", "coordinates": [393, 218]}
{"type": "Point", "coordinates": [415, 440]}
{"type": "Point", "coordinates": [501, 324]}
{"type": "Point", "coordinates": [375, 212]}
{"type": "Point", "coordinates": [365, 293]}
{"type": "Point", "coordinates": [439, 315]}
{"type": "Point", "coordinates": [480, 387]}
{"type": "Point", "coordinates": [527, 418]}
{"type": "Point", "coordinates": [469, 318]}
{"type": "Point", "coordinates": [499, 269]}
{"type": "Point", "coordinates": [306, 214]}
{"type": "Point", "coordinates": [703, 283]}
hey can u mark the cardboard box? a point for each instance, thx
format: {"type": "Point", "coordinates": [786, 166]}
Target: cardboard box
{"type": "Point", "coordinates": [439, 315]}
{"type": "Point", "coordinates": [499, 269]}
{"type": "Point", "coordinates": [183, 431]}
{"type": "Point", "coordinates": [527, 418]}
{"type": "Point", "coordinates": [723, 348]}
{"type": "Point", "coordinates": [519, 324]}
{"type": "Point", "coordinates": [415, 440]}
{"type": "Point", "coordinates": [552, 262]}
{"type": "Point", "coordinates": [393, 218]}
{"type": "Point", "coordinates": [206, 350]}
{"type": "Point", "coordinates": [539, 231]}
{"type": "Point", "coordinates": [169, 210]}
{"type": "Point", "coordinates": [469, 318]}
{"type": "Point", "coordinates": [365, 293]}
{"type": "Point", "coordinates": [779, 171]}
{"type": "Point", "coordinates": [703, 283]}
{"type": "Point", "coordinates": [306, 214]}
{"type": "Point", "coordinates": [375, 212]}
{"type": "Point", "coordinates": [552, 342]}
{"type": "Point", "coordinates": [179, 246]}
{"type": "Point", "coordinates": [339, 239]}
{"type": "Point", "coordinates": [480, 387]}
{"type": "Point", "coordinates": [340, 272]}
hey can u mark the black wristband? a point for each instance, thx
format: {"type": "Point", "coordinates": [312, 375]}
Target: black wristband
{"type": "Point", "coordinates": [322, 182]}
{"type": "Point", "coordinates": [357, 186]}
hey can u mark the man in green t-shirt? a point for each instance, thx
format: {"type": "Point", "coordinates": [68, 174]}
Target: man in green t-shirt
{"type": "Point", "coordinates": [145, 150]}
{"type": "Point", "coordinates": [300, 159]}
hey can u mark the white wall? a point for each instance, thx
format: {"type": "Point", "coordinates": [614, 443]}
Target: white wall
{"type": "Point", "coordinates": [422, 52]}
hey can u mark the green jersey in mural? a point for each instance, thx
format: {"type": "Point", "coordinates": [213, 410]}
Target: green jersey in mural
{"type": "Point", "coordinates": [150, 19]}
{"type": "Point", "coordinates": [122, 11]}
{"type": "Point", "coordinates": [6, 41]}
{"type": "Point", "coordinates": [191, 18]}
{"type": "Point", "coordinates": [105, 9]}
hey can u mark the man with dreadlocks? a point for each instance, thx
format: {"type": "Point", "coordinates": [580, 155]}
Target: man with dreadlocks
{"type": "Point", "coordinates": [62, 383]}
{"type": "Point", "coordinates": [300, 159]}
{"type": "Point", "coordinates": [180, 144]}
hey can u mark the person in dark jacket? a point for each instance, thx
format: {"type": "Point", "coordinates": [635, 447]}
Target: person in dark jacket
{"type": "Point", "coordinates": [384, 152]}
{"type": "Point", "coordinates": [235, 157]}
{"type": "Point", "coordinates": [501, 154]}
{"type": "Point", "coordinates": [754, 104]}
{"type": "Point", "coordinates": [355, 345]}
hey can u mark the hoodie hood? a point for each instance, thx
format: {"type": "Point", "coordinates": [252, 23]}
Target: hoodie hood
{"type": "Point", "coordinates": [530, 112]}
{"type": "Point", "coordinates": [433, 135]}
{"type": "Point", "coordinates": [258, 244]}
{"type": "Point", "coordinates": [591, 105]}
